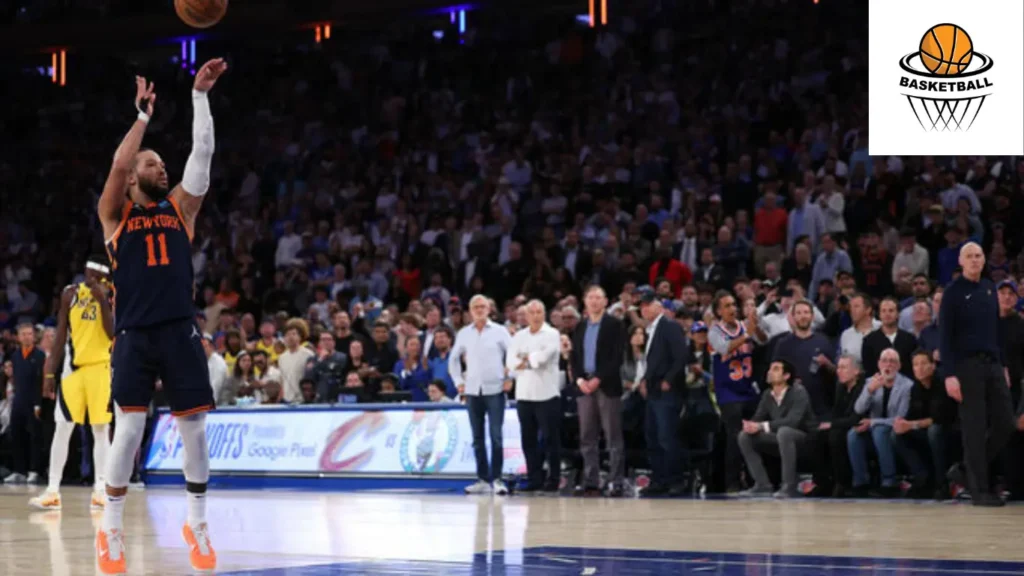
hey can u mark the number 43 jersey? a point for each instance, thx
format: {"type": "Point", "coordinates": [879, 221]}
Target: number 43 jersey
{"type": "Point", "coordinates": [733, 373]}
{"type": "Point", "coordinates": [151, 256]}
{"type": "Point", "coordinates": [88, 342]}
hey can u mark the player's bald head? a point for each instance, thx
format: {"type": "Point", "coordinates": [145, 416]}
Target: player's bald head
{"type": "Point", "coordinates": [969, 249]}
{"type": "Point", "coordinates": [972, 260]}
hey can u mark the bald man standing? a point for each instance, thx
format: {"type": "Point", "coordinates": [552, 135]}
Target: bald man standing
{"type": "Point", "coordinates": [975, 369]}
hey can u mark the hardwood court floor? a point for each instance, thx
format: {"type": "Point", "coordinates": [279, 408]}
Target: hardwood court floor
{"type": "Point", "coordinates": [284, 533]}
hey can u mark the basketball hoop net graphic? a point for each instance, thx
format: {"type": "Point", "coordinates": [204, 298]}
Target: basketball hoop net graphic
{"type": "Point", "coordinates": [946, 102]}
{"type": "Point", "coordinates": [946, 115]}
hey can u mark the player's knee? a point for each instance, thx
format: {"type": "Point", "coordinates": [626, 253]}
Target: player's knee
{"type": "Point", "coordinates": [64, 429]}
{"type": "Point", "coordinates": [197, 459]}
{"type": "Point", "coordinates": [128, 432]}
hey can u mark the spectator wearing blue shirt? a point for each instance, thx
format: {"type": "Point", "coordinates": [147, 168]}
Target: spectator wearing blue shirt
{"type": "Point", "coordinates": [438, 365]}
{"type": "Point", "coordinates": [483, 381]}
{"type": "Point", "coordinates": [948, 257]}
{"type": "Point", "coordinates": [831, 260]}
{"type": "Point", "coordinates": [364, 305]}
{"type": "Point", "coordinates": [413, 371]}
{"type": "Point", "coordinates": [805, 219]}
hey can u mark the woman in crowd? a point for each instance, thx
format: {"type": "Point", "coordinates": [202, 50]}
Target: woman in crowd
{"type": "Point", "coordinates": [242, 383]}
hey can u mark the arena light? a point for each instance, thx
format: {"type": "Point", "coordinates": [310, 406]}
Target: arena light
{"type": "Point", "coordinates": [591, 13]}
{"type": "Point", "coordinates": [53, 68]}
{"type": "Point", "coordinates": [462, 21]}
{"type": "Point", "coordinates": [327, 31]}
{"type": "Point", "coordinates": [604, 12]}
{"type": "Point", "coordinates": [192, 51]}
{"type": "Point", "coordinates": [452, 13]}
{"type": "Point", "coordinates": [184, 51]}
{"type": "Point", "coordinates": [316, 34]}
{"type": "Point", "coordinates": [438, 35]}
{"type": "Point", "coordinates": [63, 67]}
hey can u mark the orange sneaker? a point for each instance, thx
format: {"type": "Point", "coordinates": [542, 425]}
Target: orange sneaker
{"type": "Point", "coordinates": [98, 501]}
{"type": "Point", "coordinates": [201, 552]}
{"type": "Point", "coordinates": [46, 501]}
{"type": "Point", "coordinates": [110, 552]}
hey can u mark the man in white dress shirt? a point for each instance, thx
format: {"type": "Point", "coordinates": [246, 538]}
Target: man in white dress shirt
{"type": "Point", "coordinates": [483, 345]}
{"type": "Point", "coordinates": [217, 366]}
{"type": "Point", "coordinates": [533, 360]}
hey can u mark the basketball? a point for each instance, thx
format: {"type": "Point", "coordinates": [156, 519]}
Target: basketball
{"type": "Point", "coordinates": [946, 49]}
{"type": "Point", "coordinates": [201, 13]}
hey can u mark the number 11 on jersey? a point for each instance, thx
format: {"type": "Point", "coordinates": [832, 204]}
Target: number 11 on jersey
{"type": "Point", "coordinates": [151, 247]}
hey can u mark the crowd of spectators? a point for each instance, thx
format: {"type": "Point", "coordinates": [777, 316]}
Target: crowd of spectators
{"type": "Point", "coordinates": [366, 190]}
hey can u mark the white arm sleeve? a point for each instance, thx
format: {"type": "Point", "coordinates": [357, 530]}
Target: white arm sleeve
{"type": "Point", "coordinates": [196, 180]}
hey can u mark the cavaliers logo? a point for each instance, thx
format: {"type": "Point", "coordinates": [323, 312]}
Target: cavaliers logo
{"type": "Point", "coordinates": [334, 459]}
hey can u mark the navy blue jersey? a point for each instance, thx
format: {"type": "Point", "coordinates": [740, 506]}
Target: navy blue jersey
{"type": "Point", "coordinates": [151, 256]}
{"type": "Point", "coordinates": [732, 373]}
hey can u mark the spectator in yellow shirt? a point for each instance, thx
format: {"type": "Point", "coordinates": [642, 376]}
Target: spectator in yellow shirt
{"type": "Point", "coordinates": [267, 341]}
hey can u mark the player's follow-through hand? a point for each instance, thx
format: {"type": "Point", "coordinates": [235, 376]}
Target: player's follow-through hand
{"type": "Point", "coordinates": [144, 95]}
{"type": "Point", "coordinates": [207, 76]}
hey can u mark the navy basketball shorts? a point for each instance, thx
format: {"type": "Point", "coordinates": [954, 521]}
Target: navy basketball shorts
{"type": "Point", "coordinates": [171, 352]}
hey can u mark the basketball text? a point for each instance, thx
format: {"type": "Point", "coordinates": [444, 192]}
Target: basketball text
{"type": "Point", "coordinates": [944, 85]}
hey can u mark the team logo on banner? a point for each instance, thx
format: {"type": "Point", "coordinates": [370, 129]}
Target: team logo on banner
{"type": "Point", "coordinates": [429, 442]}
{"type": "Point", "coordinates": [165, 439]}
{"type": "Point", "coordinates": [334, 458]}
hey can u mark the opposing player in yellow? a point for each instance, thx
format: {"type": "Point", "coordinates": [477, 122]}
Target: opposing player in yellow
{"type": "Point", "coordinates": [85, 325]}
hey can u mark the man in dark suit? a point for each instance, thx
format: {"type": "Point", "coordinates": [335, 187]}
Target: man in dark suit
{"type": "Point", "coordinates": [888, 336]}
{"type": "Point", "coordinates": [663, 386]}
{"type": "Point", "coordinates": [711, 273]}
{"type": "Point", "coordinates": [597, 353]}
{"type": "Point", "coordinates": [573, 256]}
{"type": "Point", "coordinates": [475, 265]}
{"type": "Point", "coordinates": [509, 277]}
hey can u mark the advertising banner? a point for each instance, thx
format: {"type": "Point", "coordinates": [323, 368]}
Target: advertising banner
{"type": "Point", "coordinates": [370, 442]}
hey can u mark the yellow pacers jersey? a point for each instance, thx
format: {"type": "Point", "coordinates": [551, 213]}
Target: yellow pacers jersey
{"type": "Point", "coordinates": [89, 341]}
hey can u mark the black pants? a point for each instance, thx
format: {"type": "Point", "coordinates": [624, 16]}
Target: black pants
{"type": "Point", "coordinates": [732, 419]}
{"type": "Point", "coordinates": [26, 441]}
{"type": "Point", "coordinates": [831, 462]}
{"type": "Point", "coordinates": [1013, 459]}
{"type": "Point", "coordinates": [541, 421]}
{"type": "Point", "coordinates": [986, 417]}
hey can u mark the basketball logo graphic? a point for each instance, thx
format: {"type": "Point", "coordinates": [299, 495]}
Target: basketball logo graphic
{"type": "Point", "coordinates": [946, 86]}
{"type": "Point", "coordinates": [946, 49]}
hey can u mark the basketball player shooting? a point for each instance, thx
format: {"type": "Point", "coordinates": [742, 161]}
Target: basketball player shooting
{"type": "Point", "coordinates": [148, 228]}
{"type": "Point", "coordinates": [85, 326]}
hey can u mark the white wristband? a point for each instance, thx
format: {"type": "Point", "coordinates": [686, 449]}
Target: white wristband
{"type": "Point", "coordinates": [143, 116]}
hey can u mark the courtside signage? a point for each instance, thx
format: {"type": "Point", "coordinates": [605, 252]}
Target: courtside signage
{"type": "Point", "coordinates": [386, 442]}
{"type": "Point", "coordinates": [946, 78]}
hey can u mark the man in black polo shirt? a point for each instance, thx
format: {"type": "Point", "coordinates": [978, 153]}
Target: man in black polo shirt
{"type": "Point", "coordinates": [26, 429]}
{"type": "Point", "coordinates": [975, 370]}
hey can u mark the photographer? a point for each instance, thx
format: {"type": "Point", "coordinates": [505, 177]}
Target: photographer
{"type": "Point", "coordinates": [774, 312]}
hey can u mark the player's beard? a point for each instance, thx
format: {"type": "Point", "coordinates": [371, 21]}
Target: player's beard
{"type": "Point", "coordinates": [153, 190]}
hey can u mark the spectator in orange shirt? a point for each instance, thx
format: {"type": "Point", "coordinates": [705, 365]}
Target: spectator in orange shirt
{"type": "Point", "coordinates": [227, 295]}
